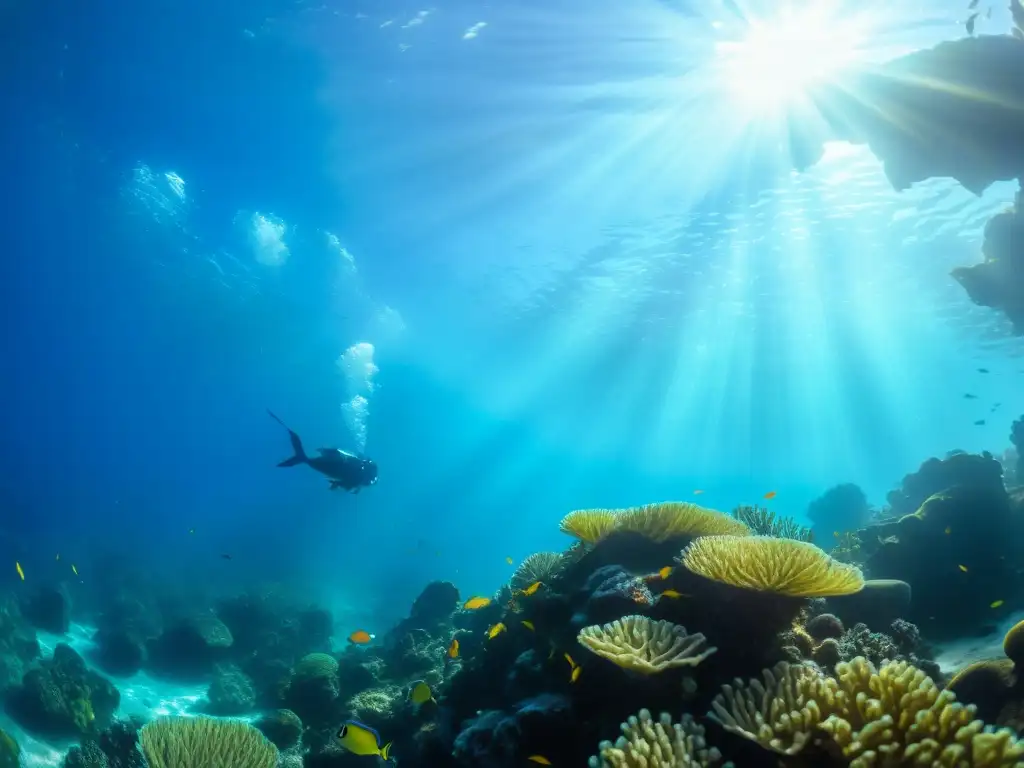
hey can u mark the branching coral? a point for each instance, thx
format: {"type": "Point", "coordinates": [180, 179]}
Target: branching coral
{"type": "Point", "coordinates": [202, 742]}
{"type": "Point", "coordinates": [540, 566]}
{"type": "Point", "coordinates": [895, 715]}
{"type": "Point", "coordinates": [672, 519]}
{"type": "Point", "coordinates": [767, 564]}
{"type": "Point", "coordinates": [847, 548]}
{"type": "Point", "coordinates": [764, 522]}
{"type": "Point", "coordinates": [649, 743]}
{"type": "Point", "coordinates": [641, 645]}
{"type": "Point", "coordinates": [589, 525]}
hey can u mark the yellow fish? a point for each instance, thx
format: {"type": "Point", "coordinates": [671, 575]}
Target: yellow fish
{"type": "Point", "coordinates": [575, 674]}
{"type": "Point", "coordinates": [496, 630]}
{"type": "Point", "coordinates": [453, 649]}
{"type": "Point", "coordinates": [673, 594]}
{"type": "Point", "coordinates": [948, 529]}
{"type": "Point", "coordinates": [508, 560]}
{"type": "Point", "coordinates": [571, 662]}
{"type": "Point", "coordinates": [476, 603]}
{"type": "Point", "coordinates": [996, 604]}
{"type": "Point", "coordinates": [73, 569]}
{"type": "Point", "coordinates": [962, 568]}
{"type": "Point", "coordinates": [533, 588]}
{"type": "Point", "coordinates": [666, 571]}
{"type": "Point", "coordinates": [420, 693]}
{"type": "Point", "coordinates": [361, 739]}
{"type": "Point", "coordinates": [17, 567]}
{"type": "Point", "coordinates": [528, 625]}
{"type": "Point", "coordinates": [539, 759]}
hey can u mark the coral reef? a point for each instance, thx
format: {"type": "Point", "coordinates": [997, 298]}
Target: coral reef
{"type": "Point", "coordinates": [649, 742]}
{"type": "Point", "coordinates": [639, 644]}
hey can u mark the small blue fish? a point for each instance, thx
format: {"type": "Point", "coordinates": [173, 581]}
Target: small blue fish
{"type": "Point", "coordinates": [361, 739]}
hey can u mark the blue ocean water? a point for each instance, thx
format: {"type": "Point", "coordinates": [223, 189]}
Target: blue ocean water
{"type": "Point", "coordinates": [524, 256]}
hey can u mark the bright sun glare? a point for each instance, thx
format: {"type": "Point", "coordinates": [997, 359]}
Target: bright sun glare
{"type": "Point", "coordinates": [779, 57]}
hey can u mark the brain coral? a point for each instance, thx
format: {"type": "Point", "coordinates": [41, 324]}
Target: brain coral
{"type": "Point", "coordinates": [641, 645]}
{"type": "Point", "coordinates": [671, 519]}
{"type": "Point", "coordinates": [894, 715]}
{"type": "Point", "coordinates": [203, 742]}
{"type": "Point", "coordinates": [766, 564]}
{"type": "Point", "coordinates": [649, 743]}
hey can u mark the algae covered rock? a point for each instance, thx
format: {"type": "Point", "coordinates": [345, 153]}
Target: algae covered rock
{"type": "Point", "coordinates": [61, 697]}
{"type": "Point", "coordinates": [231, 692]}
{"type": "Point", "coordinates": [282, 726]}
{"type": "Point", "coordinates": [10, 752]}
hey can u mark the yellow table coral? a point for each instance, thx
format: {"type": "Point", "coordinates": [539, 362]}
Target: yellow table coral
{"type": "Point", "coordinates": [767, 564]}
{"type": "Point", "coordinates": [641, 645]}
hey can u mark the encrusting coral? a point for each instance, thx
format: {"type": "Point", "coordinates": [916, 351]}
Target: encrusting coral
{"type": "Point", "coordinates": [766, 564]}
{"type": "Point", "coordinates": [641, 645]}
{"type": "Point", "coordinates": [649, 743]}
{"type": "Point", "coordinates": [894, 715]}
{"type": "Point", "coordinates": [203, 742]}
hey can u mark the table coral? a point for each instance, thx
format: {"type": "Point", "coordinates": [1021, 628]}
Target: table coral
{"type": "Point", "coordinates": [766, 564]}
{"type": "Point", "coordinates": [639, 644]}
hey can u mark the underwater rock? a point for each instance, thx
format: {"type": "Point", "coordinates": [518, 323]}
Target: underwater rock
{"type": "Point", "coordinates": [86, 755]}
{"type": "Point", "coordinates": [282, 726]}
{"type": "Point", "coordinates": [119, 652]}
{"type": "Point", "coordinates": [230, 693]}
{"type": "Point", "coordinates": [10, 752]}
{"type": "Point", "coordinates": [841, 508]}
{"type": "Point", "coordinates": [496, 739]}
{"type": "Point", "coordinates": [61, 697]}
{"type": "Point", "coordinates": [998, 281]}
{"type": "Point", "coordinates": [191, 647]}
{"type": "Point", "coordinates": [995, 686]}
{"type": "Point", "coordinates": [824, 626]}
{"type": "Point", "coordinates": [904, 644]}
{"type": "Point", "coordinates": [981, 473]}
{"type": "Point", "coordinates": [881, 602]}
{"type": "Point", "coordinates": [18, 644]}
{"type": "Point", "coordinates": [354, 674]}
{"type": "Point", "coordinates": [610, 593]}
{"type": "Point", "coordinates": [120, 743]}
{"type": "Point", "coordinates": [434, 605]}
{"type": "Point", "coordinates": [312, 691]}
{"type": "Point", "coordinates": [49, 609]}
{"type": "Point", "coordinates": [968, 128]}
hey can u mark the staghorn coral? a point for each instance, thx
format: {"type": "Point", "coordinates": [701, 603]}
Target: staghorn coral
{"type": "Point", "coordinates": [895, 715]}
{"type": "Point", "coordinates": [767, 564]}
{"type": "Point", "coordinates": [540, 566]}
{"type": "Point", "coordinates": [671, 519]}
{"type": "Point", "coordinates": [589, 525]}
{"type": "Point", "coordinates": [642, 645]}
{"type": "Point", "coordinates": [203, 742]}
{"type": "Point", "coordinates": [649, 743]}
{"type": "Point", "coordinates": [764, 522]}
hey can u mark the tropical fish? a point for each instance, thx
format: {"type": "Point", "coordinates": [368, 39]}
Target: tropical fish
{"type": "Point", "coordinates": [476, 603]}
{"type": "Point", "coordinates": [962, 568]}
{"type": "Point", "coordinates": [569, 659]}
{"type": "Point", "coordinates": [58, 557]}
{"type": "Point", "coordinates": [948, 530]}
{"type": "Point", "coordinates": [974, 4]}
{"type": "Point", "coordinates": [698, 492]}
{"type": "Point", "coordinates": [509, 560]}
{"type": "Point", "coordinates": [539, 759]}
{"type": "Point", "coordinates": [771, 494]}
{"type": "Point", "coordinates": [969, 396]}
{"type": "Point", "coordinates": [73, 569]}
{"type": "Point", "coordinates": [17, 567]}
{"type": "Point", "coordinates": [361, 739]}
{"type": "Point", "coordinates": [979, 423]}
{"type": "Point", "coordinates": [995, 604]}
{"type": "Point", "coordinates": [226, 556]}
{"type": "Point", "coordinates": [192, 531]}
{"type": "Point", "coordinates": [360, 637]}
{"type": "Point", "coordinates": [532, 588]}
{"type": "Point", "coordinates": [420, 693]}
{"type": "Point", "coordinates": [971, 20]}
{"type": "Point", "coordinates": [528, 625]}
{"type": "Point", "coordinates": [343, 469]}
{"type": "Point", "coordinates": [666, 571]}
{"type": "Point", "coordinates": [673, 593]}
{"type": "Point", "coordinates": [575, 674]}
{"type": "Point", "coordinates": [453, 648]}
{"type": "Point", "coordinates": [495, 630]}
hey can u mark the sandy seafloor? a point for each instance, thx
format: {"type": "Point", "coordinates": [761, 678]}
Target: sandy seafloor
{"type": "Point", "coordinates": [148, 697]}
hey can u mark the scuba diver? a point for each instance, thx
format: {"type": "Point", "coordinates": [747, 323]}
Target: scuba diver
{"type": "Point", "coordinates": [343, 469]}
